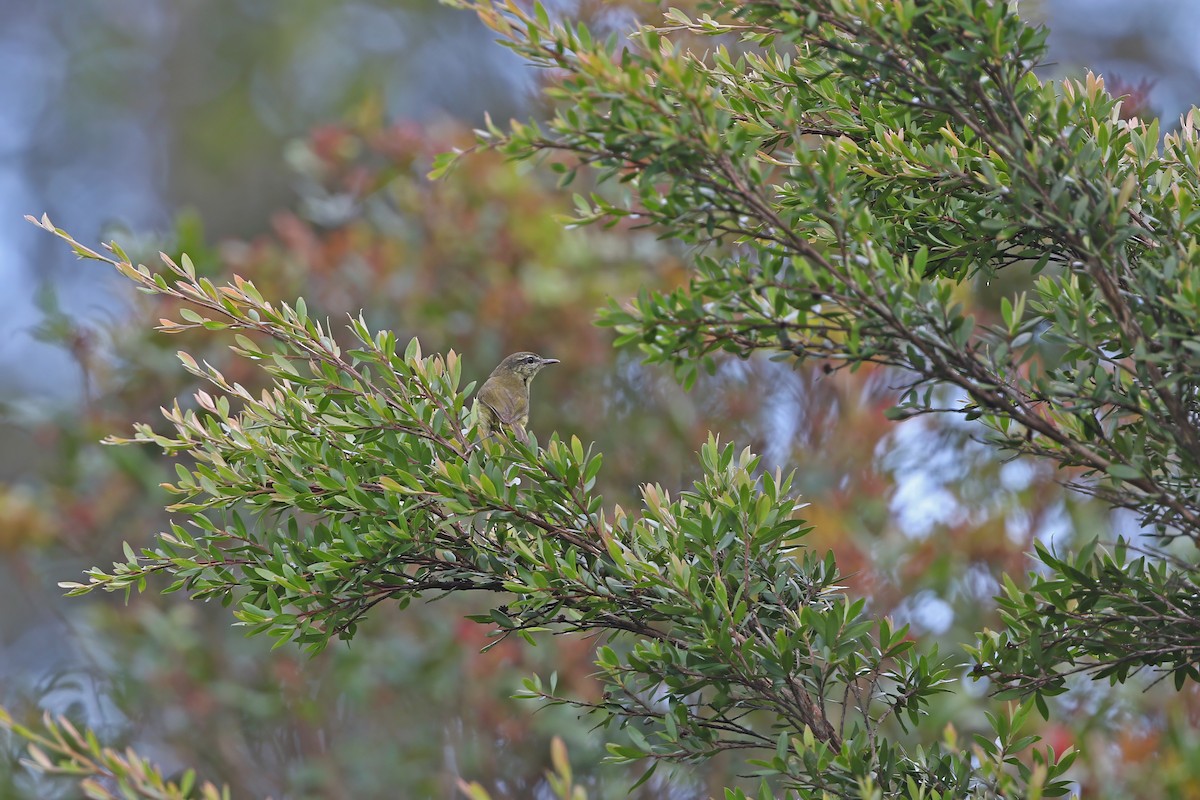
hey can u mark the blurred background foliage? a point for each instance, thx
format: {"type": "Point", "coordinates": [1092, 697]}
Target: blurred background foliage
{"type": "Point", "coordinates": [288, 143]}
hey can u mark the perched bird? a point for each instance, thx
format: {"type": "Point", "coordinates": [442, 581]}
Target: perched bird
{"type": "Point", "coordinates": [503, 400]}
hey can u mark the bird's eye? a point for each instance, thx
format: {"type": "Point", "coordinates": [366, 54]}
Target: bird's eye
{"type": "Point", "coordinates": [530, 359]}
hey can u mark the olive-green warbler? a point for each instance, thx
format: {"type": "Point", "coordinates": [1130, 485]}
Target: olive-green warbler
{"type": "Point", "coordinates": [503, 400]}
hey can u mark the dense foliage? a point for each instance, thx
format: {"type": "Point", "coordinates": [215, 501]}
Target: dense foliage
{"type": "Point", "coordinates": [466, 267]}
{"type": "Point", "coordinates": [899, 151]}
{"type": "Point", "coordinates": [850, 170]}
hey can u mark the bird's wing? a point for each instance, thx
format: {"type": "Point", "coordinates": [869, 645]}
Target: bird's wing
{"type": "Point", "coordinates": [509, 407]}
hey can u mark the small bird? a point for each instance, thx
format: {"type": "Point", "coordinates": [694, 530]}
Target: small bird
{"type": "Point", "coordinates": [503, 400]}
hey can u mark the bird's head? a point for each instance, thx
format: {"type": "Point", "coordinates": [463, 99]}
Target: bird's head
{"type": "Point", "coordinates": [523, 365]}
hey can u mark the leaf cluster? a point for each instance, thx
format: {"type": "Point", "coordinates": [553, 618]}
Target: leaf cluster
{"type": "Point", "coordinates": [57, 748]}
{"type": "Point", "coordinates": [854, 170]}
{"type": "Point", "coordinates": [358, 479]}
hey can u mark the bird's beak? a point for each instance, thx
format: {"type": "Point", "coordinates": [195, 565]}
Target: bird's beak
{"type": "Point", "coordinates": [550, 361]}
